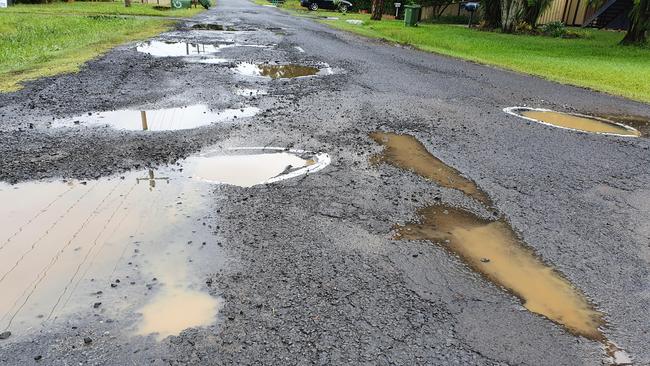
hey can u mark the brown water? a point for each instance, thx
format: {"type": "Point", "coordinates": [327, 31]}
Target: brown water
{"type": "Point", "coordinates": [406, 152]}
{"type": "Point", "coordinates": [581, 123]}
{"type": "Point", "coordinates": [640, 123]}
{"type": "Point", "coordinates": [276, 71]}
{"type": "Point", "coordinates": [493, 249]}
{"type": "Point", "coordinates": [60, 241]}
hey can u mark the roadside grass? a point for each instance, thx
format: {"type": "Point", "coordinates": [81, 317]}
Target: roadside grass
{"type": "Point", "coordinates": [34, 46]}
{"type": "Point", "coordinates": [97, 8]}
{"type": "Point", "coordinates": [595, 61]}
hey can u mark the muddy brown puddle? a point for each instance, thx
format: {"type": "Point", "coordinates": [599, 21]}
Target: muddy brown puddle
{"type": "Point", "coordinates": [62, 242]}
{"type": "Point", "coordinates": [168, 119]}
{"type": "Point", "coordinates": [279, 71]}
{"type": "Point", "coordinates": [406, 152]}
{"type": "Point", "coordinates": [491, 247]}
{"type": "Point", "coordinates": [574, 121]}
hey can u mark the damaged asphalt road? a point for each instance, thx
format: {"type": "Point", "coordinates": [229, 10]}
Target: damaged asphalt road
{"type": "Point", "coordinates": [306, 270]}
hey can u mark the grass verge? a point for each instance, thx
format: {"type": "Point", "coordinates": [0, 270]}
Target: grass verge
{"type": "Point", "coordinates": [97, 8]}
{"type": "Point", "coordinates": [595, 61]}
{"type": "Point", "coordinates": [34, 45]}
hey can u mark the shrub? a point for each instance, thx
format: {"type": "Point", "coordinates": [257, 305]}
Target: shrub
{"type": "Point", "coordinates": [554, 29]}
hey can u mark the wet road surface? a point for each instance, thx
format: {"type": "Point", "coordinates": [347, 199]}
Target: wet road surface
{"type": "Point", "coordinates": [292, 258]}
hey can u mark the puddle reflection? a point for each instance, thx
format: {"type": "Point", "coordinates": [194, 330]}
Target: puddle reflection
{"type": "Point", "coordinates": [62, 241]}
{"type": "Point", "coordinates": [279, 71]}
{"type": "Point", "coordinates": [170, 119]}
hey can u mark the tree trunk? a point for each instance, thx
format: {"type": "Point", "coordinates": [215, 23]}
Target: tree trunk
{"type": "Point", "coordinates": [491, 13]}
{"type": "Point", "coordinates": [511, 12]}
{"type": "Point", "coordinates": [127, 3]}
{"type": "Point", "coordinates": [639, 19]}
{"type": "Point", "coordinates": [377, 9]}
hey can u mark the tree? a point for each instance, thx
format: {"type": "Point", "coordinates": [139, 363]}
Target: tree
{"type": "Point", "coordinates": [535, 8]}
{"type": "Point", "coordinates": [491, 13]}
{"type": "Point", "coordinates": [377, 9]}
{"type": "Point", "coordinates": [127, 3]}
{"type": "Point", "coordinates": [511, 13]}
{"type": "Point", "coordinates": [639, 23]}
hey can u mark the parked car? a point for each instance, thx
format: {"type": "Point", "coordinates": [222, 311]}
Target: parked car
{"type": "Point", "coordinates": [341, 5]}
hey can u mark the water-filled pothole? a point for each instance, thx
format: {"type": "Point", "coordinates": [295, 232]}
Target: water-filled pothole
{"type": "Point", "coordinates": [279, 71]}
{"type": "Point", "coordinates": [168, 119]}
{"type": "Point", "coordinates": [180, 48]}
{"type": "Point", "coordinates": [406, 152]}
{"type": "Point", "coordinates": [175, 48]}
{"type": "Point", "coordinates": [576, 122]}
{"type": "Point", "coordinates": [252, 166]}
{"type": "Point", "coordinates": [66, 245]}
{"type": "Point", "coordinates": [492, 248]}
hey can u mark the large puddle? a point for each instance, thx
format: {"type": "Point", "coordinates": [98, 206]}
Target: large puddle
{"type": "Point", "coordinates": [491, 247]}
{"type": "Point", "coordinates": [575, 122]}
{"type": "Point", "coordinates": [169, 119]}
{"type": "Point", "coordinates": [279, 71]}
{"type": "Point", "coordinates": [406, 152]}
{"type": "Point", "coordinates": [65, 246]}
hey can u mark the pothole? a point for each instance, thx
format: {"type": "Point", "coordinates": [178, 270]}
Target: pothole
{"type": "Point", "coordinates": [122, 245]}
{"type": "Point", "coordinates": [639, 123]}
{"type": "Point", "coordinates": [492, 248]}
{"type": "Point", "coordinates": [180, 48]}
{"type": "Point", "coordinates": [207, 60]}
{"type": "Point", "coordinates": [211, 26]}
{"type": "Point", "coordinates": [169, 119]}
{"type": "Point", "coordinates": [280, 71]}
{"type": "Point", "coordinates": [175, 48]}
{"type": "Point", "coordinates": [248, 167]}
{"type": "Point", "coordinates": [406, 152]}
{"type": "Point", "coordinates": [570, 121]}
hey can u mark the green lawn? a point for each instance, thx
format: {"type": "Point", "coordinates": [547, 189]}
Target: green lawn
{"type": "Point", "coordinates": [595, 61]}
{"type": "Point", "coordinates": [94, 8]}
{"type": "Point", "coordinates": [35, 44]}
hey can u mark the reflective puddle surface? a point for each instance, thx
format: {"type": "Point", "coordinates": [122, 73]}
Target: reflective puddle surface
{"type": "Point", "coordinates": [491, 247]}
{"type": "Point", "coordinates": [241, 168]}
{"type": "Point", "coordinates": [573, 121]}
{"type": "Point", "coordinates": [279, 71]}
{"type": "Point", "coordinates": [406, 152]}
{"type": "Point", "coordinates": [178, 48]}
{"type": "Point", "coordinates": [136, 245]}
{"type": "Point", "coordinates": [169, 119]}
{"type": "Point", "coordinates": [175, 49]}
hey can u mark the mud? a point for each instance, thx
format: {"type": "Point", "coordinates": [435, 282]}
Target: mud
{"type": "Point", "coordinates": [169, 119]}
{"type": "Point", "coordinates": [406, 152]}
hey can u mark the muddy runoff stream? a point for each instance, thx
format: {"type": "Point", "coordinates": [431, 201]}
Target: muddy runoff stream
{"type": "Point", "coordinates": [134, 247]}
{"type": "Point", "coordinates": [491, 247]}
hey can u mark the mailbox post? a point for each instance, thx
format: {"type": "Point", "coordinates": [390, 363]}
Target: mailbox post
{"type": "Point", "coordinates": [397, 5]}
{"type": "Point", "coordinates": [3, 3]}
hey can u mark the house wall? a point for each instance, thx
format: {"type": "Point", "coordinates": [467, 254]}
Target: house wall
{"type": "Point", "coordinates": [428, 12]}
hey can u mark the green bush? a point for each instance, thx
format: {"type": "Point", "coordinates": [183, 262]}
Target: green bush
{"type": "Point", "coordinates": [554, 29]}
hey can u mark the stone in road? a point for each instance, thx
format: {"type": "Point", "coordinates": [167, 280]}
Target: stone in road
{"type": "Point", "coordinates": [309, 271]}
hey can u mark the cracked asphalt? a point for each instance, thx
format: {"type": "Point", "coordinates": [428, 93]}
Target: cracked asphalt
{"type": "Point", "coordinates": [309, 273]}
